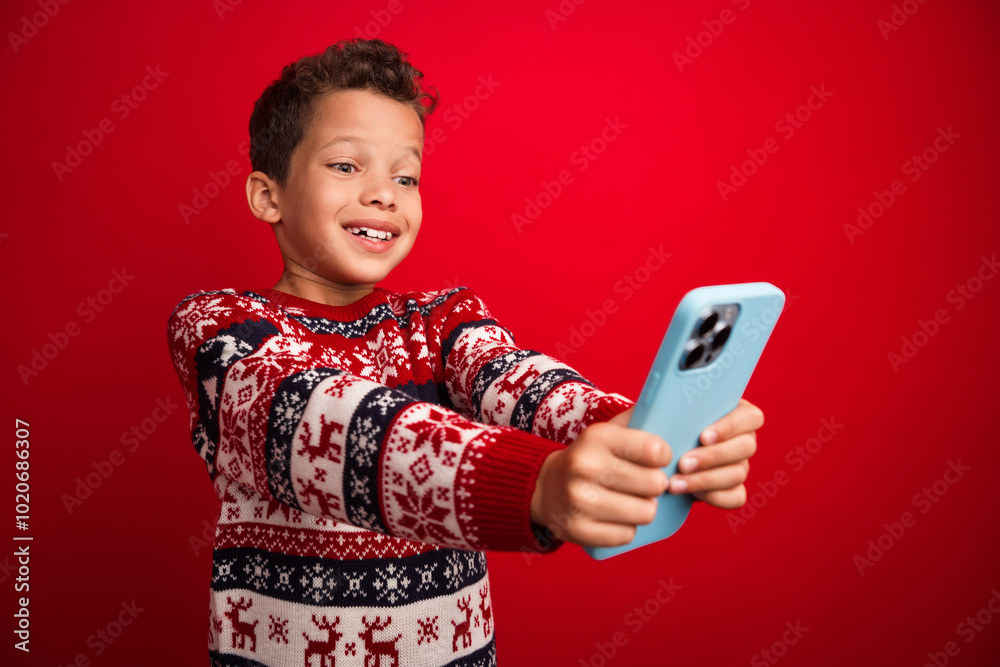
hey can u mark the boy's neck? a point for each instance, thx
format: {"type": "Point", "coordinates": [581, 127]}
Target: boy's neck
{"type": "Point", "coordinates": [330, 295]}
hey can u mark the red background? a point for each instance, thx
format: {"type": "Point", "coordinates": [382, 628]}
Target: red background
{"type": "Point", "coordinates": [850, 303]}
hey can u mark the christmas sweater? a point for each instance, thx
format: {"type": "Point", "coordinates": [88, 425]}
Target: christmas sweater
{"type": "Point", "coordinates": [365, 456]}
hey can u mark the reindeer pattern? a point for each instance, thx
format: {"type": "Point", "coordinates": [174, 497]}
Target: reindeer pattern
{"type": "Point", "coordinates": [324, 648]}
{"type": "Point", "coordinates": [462, 629]}
{"type": "Point", "coordinates": [326, 640]}
{"type": "Point", "coordinates": [374, 650]}
{"type": "Point", "coordinates": [242, 629]}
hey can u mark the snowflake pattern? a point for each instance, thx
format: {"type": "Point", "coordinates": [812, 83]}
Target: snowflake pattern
{"type": "Point", "coordinates": [427, 581]}
{"type": "Point", "coordinates": [423, 516]}
{"type": "Point", "coordinates": [384, 351]}
{"type": "Point", "coordinates": [391, 584]}
{"type": "Point", "coordinates": [257, 572]}
{"type": "Point", "coordinates": [318, 583]}
{"type": "Point", "coordinates": [454, 572]}
{"type": "Point", "coordinates": [354, 588]}
{"type": "Point", "coordinates": [223, 570]}
{"type": "Point", "coordinates": [277, 629]}
{"type": "Point", "coordinates": [428, 630]}
{"type": "Point", "coordinates": [283, 582]}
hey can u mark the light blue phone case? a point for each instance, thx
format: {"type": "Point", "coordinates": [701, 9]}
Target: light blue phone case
{"type": "Point", "coordinates": [679, 404]}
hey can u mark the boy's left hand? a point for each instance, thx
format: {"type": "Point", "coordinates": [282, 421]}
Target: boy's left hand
{"type": "Point", "coordinates": [716, 471]}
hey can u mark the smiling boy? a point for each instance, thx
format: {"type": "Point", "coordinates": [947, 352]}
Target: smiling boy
{"type": "Point", "coordinates": [367, 446]}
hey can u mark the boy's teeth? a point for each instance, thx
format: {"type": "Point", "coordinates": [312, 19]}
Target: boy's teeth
{"type": "Point", "coordinates": [370, 233]}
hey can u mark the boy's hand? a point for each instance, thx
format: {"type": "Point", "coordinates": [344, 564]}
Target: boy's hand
{"type": "Point", "coordinates": [716, 471]}
{"type": "Point", "coordinates": [602, 485]}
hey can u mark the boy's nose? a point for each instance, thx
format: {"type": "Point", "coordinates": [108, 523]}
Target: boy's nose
{"type": "Point", "coordinates": [378, 192]}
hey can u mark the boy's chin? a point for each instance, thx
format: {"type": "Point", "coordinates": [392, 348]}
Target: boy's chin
{"type": "Point", "coordinates": [364, 278]}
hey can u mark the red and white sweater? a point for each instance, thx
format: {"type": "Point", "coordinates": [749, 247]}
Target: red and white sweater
{"type": "Point", "coordinates": [365, 456]}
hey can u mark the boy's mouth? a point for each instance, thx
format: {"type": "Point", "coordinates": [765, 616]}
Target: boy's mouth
{"type": "Point", "coordinates": [373, 235]}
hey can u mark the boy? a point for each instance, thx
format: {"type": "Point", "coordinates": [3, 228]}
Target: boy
{"type": "Point", "coordinates": [367, 447]}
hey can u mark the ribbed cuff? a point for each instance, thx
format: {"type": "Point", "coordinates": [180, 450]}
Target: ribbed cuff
{"type": "Point", "coordinates": [505, 480]}
{"type": "Point", "coordinates": [607, 407]}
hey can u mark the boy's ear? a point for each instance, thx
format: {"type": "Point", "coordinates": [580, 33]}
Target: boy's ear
{"type": "Point", "coordinates": [262, 196]}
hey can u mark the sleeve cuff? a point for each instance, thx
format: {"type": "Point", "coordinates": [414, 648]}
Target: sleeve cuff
{"type": "Point", "coordinates": [504, 482]}
{"type": "Point", "coordinates": [606, 407]}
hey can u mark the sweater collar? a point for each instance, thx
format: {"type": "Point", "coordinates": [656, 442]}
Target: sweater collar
{"type": "Point", "coordinates": [351, 311]}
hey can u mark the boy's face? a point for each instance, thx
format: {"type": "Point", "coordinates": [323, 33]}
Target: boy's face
{"type": "Point", "coordinates": [358, 165]}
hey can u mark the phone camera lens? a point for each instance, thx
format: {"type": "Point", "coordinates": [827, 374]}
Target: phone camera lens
{"type": "Point", "coordinates": [694, 356]}
{"type": "Point", "coordinates": [708, 324]}
{"type": "Point", "coordinates": [721, 337]}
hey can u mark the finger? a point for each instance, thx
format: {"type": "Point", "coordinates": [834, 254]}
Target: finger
{"type": "Point", "coordinates": [727, 499]}
{"type": "Point", "coordinates": [575, 525]}
{"type": "Point", "coordinates": [639, 447]}
{"type": "Point", "coordinates": [599, 460]}
{"type": "Point", "coordinates": [736, 449]}
{"type": "Point", "coordinates": [744, 418]}
{"type": "Point", "coordinates": [596, 503]}
{"type": "Point", "coordinates": [627, 477]}
{"type": "Point", "coordinates": [723, 477]}
{"type": "Point", "coordinates": [598, 534]}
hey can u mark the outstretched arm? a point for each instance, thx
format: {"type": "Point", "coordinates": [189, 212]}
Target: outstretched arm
{"type": "Point", "coordinates": [606, 482]}
{"type": "Point", "coordinates": [493, 381]}
{"type": "Point", "coordinates": [275, 413]}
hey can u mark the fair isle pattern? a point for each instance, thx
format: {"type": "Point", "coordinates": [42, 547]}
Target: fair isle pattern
{"type": "Point", "coordinates": [247, 517]}
{"type": "Point", "coordinates": [451, 629]}
{"type": "Point", "coordinates": [360, 328]}
{"type": "Point", "coordinates": [358, 583]}
{"type": "Point", "coordinates": [365, 457]}
{"type": "Point", "coordinates": [287, 410]}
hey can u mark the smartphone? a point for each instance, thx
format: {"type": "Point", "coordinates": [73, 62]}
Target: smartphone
{"type": "Point", "coordinates": [711, 347]}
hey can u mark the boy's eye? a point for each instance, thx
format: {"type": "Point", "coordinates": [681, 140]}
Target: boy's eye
{"type": "Point", "coordinates": [343, 167]}
{"type": "Point", "coordinates": [408, 181]}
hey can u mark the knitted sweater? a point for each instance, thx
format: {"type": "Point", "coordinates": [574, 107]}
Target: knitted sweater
{"type": "Point", "coordinates": [365, 456]}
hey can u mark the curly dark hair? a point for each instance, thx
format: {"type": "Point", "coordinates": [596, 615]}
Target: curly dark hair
{"type": "Point", "coordinates": [288, 105]}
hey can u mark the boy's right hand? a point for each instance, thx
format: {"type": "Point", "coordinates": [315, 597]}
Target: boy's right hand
{"type": "Point", "coordinates": [605, 483]}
